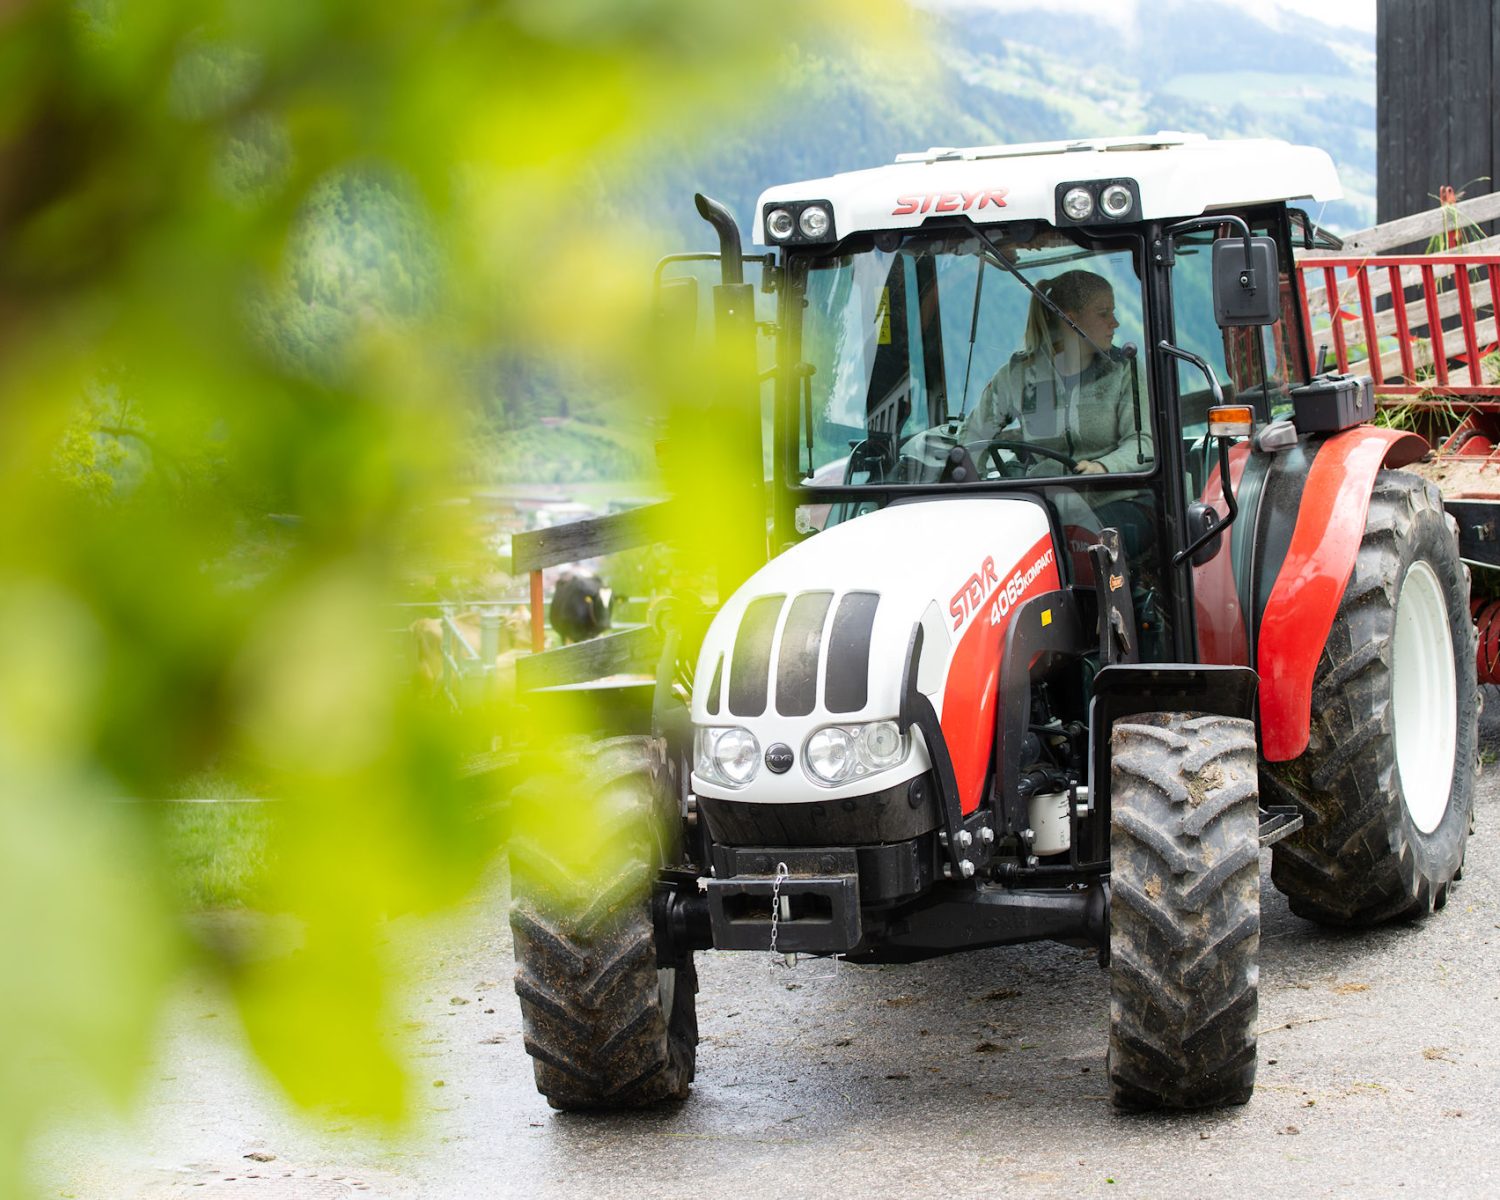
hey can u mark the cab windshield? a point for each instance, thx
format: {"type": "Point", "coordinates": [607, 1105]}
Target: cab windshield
{"type": "Point", "coordinates": [1018, 345]}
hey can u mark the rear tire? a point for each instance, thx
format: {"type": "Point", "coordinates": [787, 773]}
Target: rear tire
{"type": "Point", "coordinates": [1184, 911]}
{"type": "Point", "coordinates": [605, 1025]}
{"type": "Point", "coordinates": [1386, 784]}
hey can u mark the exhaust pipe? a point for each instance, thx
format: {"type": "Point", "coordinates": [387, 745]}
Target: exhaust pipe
{"type": "Point", "coordinates": [730, 255]}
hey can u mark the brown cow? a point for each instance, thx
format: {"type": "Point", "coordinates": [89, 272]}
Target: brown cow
{"type": "Point", "coordinates": [427, 645]}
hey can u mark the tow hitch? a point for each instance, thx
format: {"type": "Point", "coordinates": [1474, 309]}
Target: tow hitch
{"type": "Point", "coordinates": [815, 893]}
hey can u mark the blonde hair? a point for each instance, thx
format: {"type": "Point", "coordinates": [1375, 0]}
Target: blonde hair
{"type": "Point", "coordinates": [1070, 291]}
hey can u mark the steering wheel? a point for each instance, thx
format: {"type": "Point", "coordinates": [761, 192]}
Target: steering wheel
{"type": "Point", "coordinates": [1023, 451]}
{"type": "Point", "coordinates": [911, 469]}
{"type": "Point", "coordinates": [873, 455]}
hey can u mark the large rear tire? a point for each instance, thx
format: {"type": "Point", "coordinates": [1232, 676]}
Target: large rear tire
{"type": "Point", "coordinates": [1386, 784]}
{"type": "Point", "coordinates": [606, 1025]}
{"type": "Point", "coordinates": [1184, 911]}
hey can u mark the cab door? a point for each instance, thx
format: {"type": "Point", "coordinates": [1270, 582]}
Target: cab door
{"type": "Point", "coordinates": [1255, 365]}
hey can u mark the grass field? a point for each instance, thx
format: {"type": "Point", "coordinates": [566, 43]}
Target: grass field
{"type": "Point", "coordinates": [217, 852]}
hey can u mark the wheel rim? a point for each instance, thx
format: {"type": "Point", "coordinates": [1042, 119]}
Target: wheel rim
{"type": "Point", "coordinates": [1424, 701]}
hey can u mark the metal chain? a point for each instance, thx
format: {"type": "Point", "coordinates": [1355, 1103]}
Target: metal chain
{"type": "Point", "coordinates": [781, 873]}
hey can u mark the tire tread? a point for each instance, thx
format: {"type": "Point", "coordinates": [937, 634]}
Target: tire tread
{"type": "Point", "coordinates": [1185, 912]}
{"type": "Point", "coordinates": [585, 950]}
{"type": "Point", "coordinates": [1354, 862]}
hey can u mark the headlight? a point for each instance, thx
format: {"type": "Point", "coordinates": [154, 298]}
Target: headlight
{"type": "Point", "coordinates": [814, 221]}
{"type": "Point", "coordinates": [1116, 200]}
{"type": "Point", "coordinates": [799, 222]}
{"type": "Point", "coordinates": [1078, 204]}
{"type": "Point", "coordinates": [1090, 200]}
{"type": "Point", "coordinates": [880, 745]}
{"type": "Point", "coordinates": [779, 224]}
{"type": "Point", "coordinates": [729, 756]}
{"type": "Point", "coordinates": [838, 753]}
{"type": "Point", "coordinates": [830, 754]}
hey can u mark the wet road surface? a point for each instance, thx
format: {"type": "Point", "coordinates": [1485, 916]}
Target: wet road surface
{"type": "Point", "coordinates": [975, 1075]}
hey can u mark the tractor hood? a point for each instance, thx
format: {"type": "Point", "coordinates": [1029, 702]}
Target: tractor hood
{"type": "Point", "coordinates": [820, 636]}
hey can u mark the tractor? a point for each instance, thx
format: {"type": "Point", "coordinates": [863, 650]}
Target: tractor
{"type": "Point", "coordinates": [1062, 612]}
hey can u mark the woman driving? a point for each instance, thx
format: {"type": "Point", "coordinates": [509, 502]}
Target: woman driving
{"type": "Point", "coordinates": [1068, 389]}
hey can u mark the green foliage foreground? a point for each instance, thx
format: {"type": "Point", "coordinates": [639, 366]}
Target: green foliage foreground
{"type": "Point", "coordinates": [249, 256]}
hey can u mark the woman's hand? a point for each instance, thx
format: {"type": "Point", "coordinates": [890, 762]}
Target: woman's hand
{"type": "Point", "coordinates": [1087, 466]}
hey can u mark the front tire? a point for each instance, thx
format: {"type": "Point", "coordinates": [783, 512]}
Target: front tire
{"type": "Point", "coordinates": [1184, 911]}
{"type": "Point", "coordinates": [1386, 784]}
{"type": "Point", "coordinates": [606, 1025]}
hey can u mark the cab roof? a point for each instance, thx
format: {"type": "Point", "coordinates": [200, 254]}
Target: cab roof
{"type": "Point", "coordinates": [1176, 175]}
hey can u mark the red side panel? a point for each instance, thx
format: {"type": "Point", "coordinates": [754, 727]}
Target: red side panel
{"type": "Point", "coordinates": [969, 696]}
{"type": "Point", "coordinates": [1319, 561]}
{"type": "Point", "coordinates": [1221, 625]}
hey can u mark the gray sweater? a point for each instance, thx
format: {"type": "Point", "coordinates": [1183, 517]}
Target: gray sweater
{"type": "Point", "coordinates": [1088, 416]}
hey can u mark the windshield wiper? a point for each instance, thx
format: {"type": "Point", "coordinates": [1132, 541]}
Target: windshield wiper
{"type": "Point", "coordinates": [1006, 265]}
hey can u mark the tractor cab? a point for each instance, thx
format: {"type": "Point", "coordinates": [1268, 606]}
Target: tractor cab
{"type": "Point", "coordinates": [994, 320]}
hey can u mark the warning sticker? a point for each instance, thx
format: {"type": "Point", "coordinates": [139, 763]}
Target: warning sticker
{"type": "Point", "coordinates": [883, 318]}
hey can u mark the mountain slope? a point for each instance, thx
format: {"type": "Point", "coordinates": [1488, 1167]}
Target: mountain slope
{"type": "Point", "coordinates": [1034, 74]}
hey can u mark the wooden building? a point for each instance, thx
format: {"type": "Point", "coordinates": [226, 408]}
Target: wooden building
{"type": "Point", "coordinates": [1437, 101]}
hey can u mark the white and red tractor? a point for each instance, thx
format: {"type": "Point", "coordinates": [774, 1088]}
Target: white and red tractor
{"type": "Point", "coordinates": [990, 685]}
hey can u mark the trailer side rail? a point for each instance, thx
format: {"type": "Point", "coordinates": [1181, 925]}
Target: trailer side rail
{"type": "Point", "coordinates": [1417, 324]}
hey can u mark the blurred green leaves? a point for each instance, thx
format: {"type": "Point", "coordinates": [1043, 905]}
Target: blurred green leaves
{"type": "Point", "coordinates": [250, 253]}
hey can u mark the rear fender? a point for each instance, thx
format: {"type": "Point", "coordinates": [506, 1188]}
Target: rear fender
{"type": "Point", "coordinates": [1310, 579]}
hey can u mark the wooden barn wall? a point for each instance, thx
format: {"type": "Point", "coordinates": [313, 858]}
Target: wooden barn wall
{"type": "Point", "coordinates": [1436, 97]}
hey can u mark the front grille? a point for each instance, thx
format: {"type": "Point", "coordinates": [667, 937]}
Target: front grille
{"type": "Point", "coordinates": [846, 688]}
{"type": "Point", "coordinates": [797, 663]}
{"type": "Point", "coordinates": [750, 665]}
{"type": "Point", "coordinates": [843, 656]}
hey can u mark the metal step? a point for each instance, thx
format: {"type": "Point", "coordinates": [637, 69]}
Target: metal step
{"type": "Point", "coordinates": [1278, 821]}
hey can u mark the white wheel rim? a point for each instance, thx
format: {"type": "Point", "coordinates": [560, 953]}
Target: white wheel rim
{"type": "Point", "coordinates": [1424, 700]}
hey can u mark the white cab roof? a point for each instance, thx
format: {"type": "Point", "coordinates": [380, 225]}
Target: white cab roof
{"type": "Point", "coordinates": [1178, 174]}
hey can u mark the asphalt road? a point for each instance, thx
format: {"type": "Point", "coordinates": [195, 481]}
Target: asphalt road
{"type": "Point", "coordinates": [978, 1075]}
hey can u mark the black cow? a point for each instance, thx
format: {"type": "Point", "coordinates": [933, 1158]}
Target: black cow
{"type": "Point", "coordinates": [580, 606]}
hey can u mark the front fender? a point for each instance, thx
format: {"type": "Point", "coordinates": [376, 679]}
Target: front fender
{"type": "Point", "coordinates": [1310, 581]}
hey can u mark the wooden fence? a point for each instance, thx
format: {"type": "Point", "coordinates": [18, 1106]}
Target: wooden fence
{"type": "Point", "coordinates": [627, 651]}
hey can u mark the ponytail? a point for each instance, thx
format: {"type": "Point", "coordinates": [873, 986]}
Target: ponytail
{"type": "Point", "coordinates": [1069, 291]}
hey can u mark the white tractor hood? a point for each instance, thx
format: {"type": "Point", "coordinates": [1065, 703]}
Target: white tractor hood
{"type": "Point", "coordinates": [821, 636]}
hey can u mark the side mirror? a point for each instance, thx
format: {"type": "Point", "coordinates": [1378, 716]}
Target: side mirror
{"type": "Point", "coordinates": [676, 309]}
{"type": "Point", "coordinates": [683, 307]}
{"type": "Point", "coordinates": [1247, 290]}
